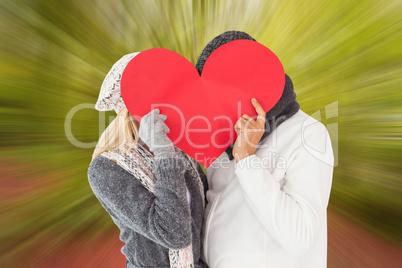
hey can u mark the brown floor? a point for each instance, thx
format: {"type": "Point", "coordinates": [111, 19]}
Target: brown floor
{"type": "Point", "coordinates": [348, 246]}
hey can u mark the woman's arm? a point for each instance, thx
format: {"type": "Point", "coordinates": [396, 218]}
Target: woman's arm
{"type": "Point", "coordinates": [163, 217]}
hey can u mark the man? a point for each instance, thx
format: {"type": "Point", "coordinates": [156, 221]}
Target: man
{"type": "Point", "coordinates": [268, 193]}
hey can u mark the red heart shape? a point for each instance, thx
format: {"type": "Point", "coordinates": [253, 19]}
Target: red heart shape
{"type": "Point", "coordinates": [201, 111]}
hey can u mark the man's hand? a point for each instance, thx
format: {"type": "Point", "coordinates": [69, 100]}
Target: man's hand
{"type": "Point", "coordinates": [249, 132]}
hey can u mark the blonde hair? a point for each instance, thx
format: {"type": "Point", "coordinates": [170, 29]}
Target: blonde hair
{"type": "Point", "coordinates": [122, 133]}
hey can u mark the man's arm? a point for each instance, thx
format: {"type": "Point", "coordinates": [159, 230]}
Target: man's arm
{"type": "Point", "coordinates": [292, 215]}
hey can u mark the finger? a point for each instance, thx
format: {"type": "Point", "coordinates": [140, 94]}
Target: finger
{"type": "Point", "coordinates": [152, 115]}
{"type": "Point", "coordinates": [154, 112]}
{"type": "Point", "coordinates": [237, 127]}
{"type": "Point", "coordinates": [162, 117]}
{"type": "Point", "coordinates": [160, 126]}
{"type": "Point", "coordinates": [248, 120]}
{"type": "Point", "coordinates": [246, 116]}
{"type": "Point", "coordinates": [258, 108]}
{"type": "Point", "coordinates": [240, 124]}
{"type": "Point", "coordinates": [237, 130]}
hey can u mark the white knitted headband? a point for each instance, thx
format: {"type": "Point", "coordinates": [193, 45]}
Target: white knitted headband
{"type": "Point", "coordinates": [110, 94]}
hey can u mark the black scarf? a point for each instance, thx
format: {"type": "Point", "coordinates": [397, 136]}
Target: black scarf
{"type": "Point", "coordinates": [287, 105]}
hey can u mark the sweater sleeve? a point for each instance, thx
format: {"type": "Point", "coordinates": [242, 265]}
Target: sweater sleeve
{"type": "Point", "coordinates": [163, 217]}
{"type": "Point", "coordinates": [291, 215]}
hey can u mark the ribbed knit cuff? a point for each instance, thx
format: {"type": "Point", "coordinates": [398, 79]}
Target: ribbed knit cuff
{"type": "Point", "coordinates": [169, 163]}
{"type": "Point", "coordinates": [169, 172]}
{"type": "Point", "coordinates": [165, 151]}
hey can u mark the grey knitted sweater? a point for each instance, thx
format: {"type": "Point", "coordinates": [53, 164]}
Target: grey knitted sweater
{"type": "Point", "coordinates": [150, 223]}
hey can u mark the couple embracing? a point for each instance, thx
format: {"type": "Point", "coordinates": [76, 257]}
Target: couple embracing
{"type": "Point", "coordinates": [262, 203]}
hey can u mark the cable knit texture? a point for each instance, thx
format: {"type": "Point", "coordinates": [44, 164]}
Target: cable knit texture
{"type": "Point", "coordinates": [150, 223]}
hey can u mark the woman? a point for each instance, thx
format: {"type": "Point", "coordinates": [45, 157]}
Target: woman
{"type": "Point", "coordinates": [152, 190]}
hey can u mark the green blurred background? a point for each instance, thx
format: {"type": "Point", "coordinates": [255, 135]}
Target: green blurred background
{"type": "Point", "coordinates": [344, 57]}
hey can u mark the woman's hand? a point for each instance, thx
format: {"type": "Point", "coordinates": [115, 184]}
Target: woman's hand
{"type": "Point", "coordinates": [153, 132]}
{"type": "Point", "coordinates": [249, 132]}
